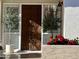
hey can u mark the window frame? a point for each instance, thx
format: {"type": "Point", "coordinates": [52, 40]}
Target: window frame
{"type": "Point", "coordinates": [19, 16]}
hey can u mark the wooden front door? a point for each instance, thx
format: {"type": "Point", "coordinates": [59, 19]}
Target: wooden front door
{"type": "Point", "coordinates": [31, 27]}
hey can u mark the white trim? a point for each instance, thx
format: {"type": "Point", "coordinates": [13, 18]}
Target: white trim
{"type": "Point", "coordinates": [26, 52]}
{"type": "Point", "coordinates": [46, 33]}
{"type": "Point", "coordinates": [38, 3]}
{"type": "Point", "coordinates": [63, 18]}
{"type": "Point", "coordinates": [20, 27]}
{"type": "Point", "coordinates": [42, 28]}
{"type": "Point", "coordinates": [62, 46]}
{"type": "Point", "coordinates": [10, 3]}
{"type": "Point", "coordinates": [30, 3]}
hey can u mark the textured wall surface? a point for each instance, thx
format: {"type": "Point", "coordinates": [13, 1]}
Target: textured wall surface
{"type": "Point", "coordinates": [71, 19]}
{"type": "Point", "coordinates": [60, 52]}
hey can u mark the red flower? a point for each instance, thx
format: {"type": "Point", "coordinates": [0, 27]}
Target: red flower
{"type": "Point", "coordinates": [71, 42]}
{"type": "Point", "coordinates": [48, 43]}
{"type": "Point", "coordinates": [51, 37]}
{"type": "Point", "coordinates": [59, 38]}
{"type": "Point", "coordinates": [50, 40]}
{"type": "Point", "coordinates": [55, 41]}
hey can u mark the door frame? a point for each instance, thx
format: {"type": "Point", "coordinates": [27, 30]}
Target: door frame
{"type": "Point", "coordinates": [41, 25]}
{"type": "Point", "coordinates": [20, 17]}
{"type": "Point", "coordinates": [3, 6]}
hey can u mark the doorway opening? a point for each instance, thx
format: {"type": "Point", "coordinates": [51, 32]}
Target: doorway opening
{"type": "Point", "coordinates": [31, 28]}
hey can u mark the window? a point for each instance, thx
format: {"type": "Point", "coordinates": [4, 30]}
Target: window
{"type": "Point", "coordinates": [52, 20]}
{"type": "Point", "coordinates": [11, 24]}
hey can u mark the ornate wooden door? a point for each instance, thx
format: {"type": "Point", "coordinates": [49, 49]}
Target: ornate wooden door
{"type": "Point", "coordinates": [31, 27]}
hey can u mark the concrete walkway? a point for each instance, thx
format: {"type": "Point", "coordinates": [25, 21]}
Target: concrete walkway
{"type": "Point", "coordinates": [51, 52]}
{"type": "Point", "coordinates": [60, 52]}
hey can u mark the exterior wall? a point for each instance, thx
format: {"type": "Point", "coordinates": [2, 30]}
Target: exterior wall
{"type": "Point", "coordinates": [0, 21]}
{"type": "Point", "coordinates": [60, 52]}
{"type": "Point", "coordinates": [71, 19]}
{"type": "Point", "coordinates": [30, 1]}
{"type": "Point", "coordinates": [33, 1]}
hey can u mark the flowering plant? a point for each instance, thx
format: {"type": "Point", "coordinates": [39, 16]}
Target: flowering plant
{"type": "Point", "coordinates": [60, 40]}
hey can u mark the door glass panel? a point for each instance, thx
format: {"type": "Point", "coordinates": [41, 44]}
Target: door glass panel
{"type": "Point", "coordinates": [11, 25]}
{"type": "Point", "coordinates": [52, 21]}
{"type": "Point", "coordinates": [11, 19]}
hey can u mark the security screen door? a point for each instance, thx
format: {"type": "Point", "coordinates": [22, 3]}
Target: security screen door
{"type": "Point", "coordinates": [31, 27]}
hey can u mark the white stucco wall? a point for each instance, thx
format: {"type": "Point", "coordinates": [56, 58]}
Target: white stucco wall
{"type": "Point", "coordinates": [71, 19]}
{"type": "Point", "coordinates": [0, 21]}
